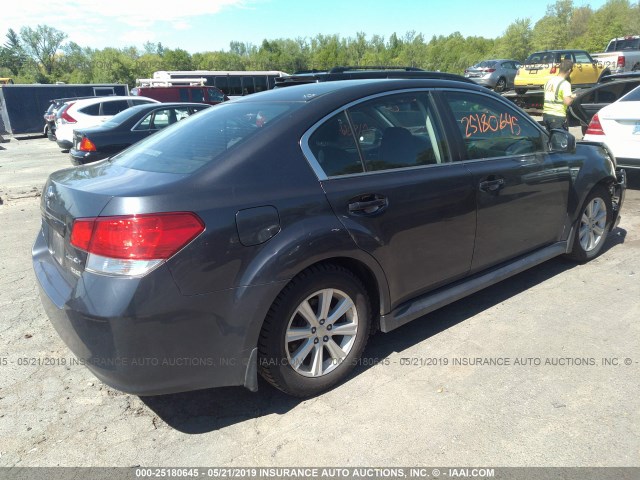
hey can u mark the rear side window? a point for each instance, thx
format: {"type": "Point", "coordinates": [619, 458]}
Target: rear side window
{"type": "Point", "coordinates": [112, 108]}
{"type": "Point", "coordinates": [93, 110]}
{"type": "Point", "coordinates": [139, 101]}
{"type": "Point", "coordinates": [490, 128]}
{"type": "Point", "coordinates": [184, 94]}
{"type": "Point", "coordinates": [204, 138]}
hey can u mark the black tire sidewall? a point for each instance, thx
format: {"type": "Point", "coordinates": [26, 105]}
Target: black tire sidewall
{"type": "Point", "coordinates": [273, 357]}
{"type": "Point", "coordinates": [577, 252]}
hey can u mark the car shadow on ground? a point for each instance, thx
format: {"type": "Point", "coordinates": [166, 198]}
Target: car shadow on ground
{"type": "Point", "coordinates": [208, 410]}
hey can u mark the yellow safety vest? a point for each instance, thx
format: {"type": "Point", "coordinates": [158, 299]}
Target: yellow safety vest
{"type": "Point", "coordinates": [554, 97]}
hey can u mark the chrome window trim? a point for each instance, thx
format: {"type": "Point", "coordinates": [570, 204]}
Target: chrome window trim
{"type": "Point", "coordinates": [315, 165]}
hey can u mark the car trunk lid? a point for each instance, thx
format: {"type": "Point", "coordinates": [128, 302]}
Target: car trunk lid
{"type": "Point", "coordinates": [84, 192]}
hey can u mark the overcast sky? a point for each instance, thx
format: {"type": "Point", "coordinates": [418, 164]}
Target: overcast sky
{"type": "Point", "coordinates": [205, 25]}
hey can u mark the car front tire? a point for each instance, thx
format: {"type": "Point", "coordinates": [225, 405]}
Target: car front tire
{"type": "Point", "coordinates": [593, 225]}
{"type": "Point", "coordinates": [315, 331]}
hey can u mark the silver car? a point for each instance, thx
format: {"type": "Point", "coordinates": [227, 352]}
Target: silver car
{"type": "Point", "coordinates": [496, 74]}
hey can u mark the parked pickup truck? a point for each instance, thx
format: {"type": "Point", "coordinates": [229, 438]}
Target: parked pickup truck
{"type": "Point", "coordinates": [621, 55]}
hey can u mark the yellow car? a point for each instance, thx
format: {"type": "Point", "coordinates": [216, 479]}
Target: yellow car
{"type": "Point", "coordinates": [539, 66]}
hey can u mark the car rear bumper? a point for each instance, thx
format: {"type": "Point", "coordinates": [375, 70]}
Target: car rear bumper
{"type": "Point", "coordinates": [142, 336]}
{"type": "Point", "coordinates": [485, 82]}
{"type": "Point", "coordinates": [82, 158]}
{"type": "Point", "coordinates": [64, 144]}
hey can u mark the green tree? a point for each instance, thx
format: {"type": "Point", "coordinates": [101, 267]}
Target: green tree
{"type": "Point", "coordinates": [515, 42]}
{"type": "Point", "coordinates": [614, 19]}
{"type": "Point", "coordinates": [552, 30]}
{"type": "Point", "coordinates": [74, 65]}
{"type": "Point", "coordinates": [42, 44]}
{"type": "Point", "coordinates": [177, 59]}
{"type": "Point", "coordinates": [111, 65]}
{"type": "Point", "coordinates": [12, 55]}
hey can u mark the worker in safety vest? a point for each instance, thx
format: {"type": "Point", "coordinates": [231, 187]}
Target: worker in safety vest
{"type": "Point", "coordinates": [557, 97]}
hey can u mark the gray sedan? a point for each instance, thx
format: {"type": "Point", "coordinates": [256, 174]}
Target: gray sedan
{"type": "Point", "coordinates": [496, 74]}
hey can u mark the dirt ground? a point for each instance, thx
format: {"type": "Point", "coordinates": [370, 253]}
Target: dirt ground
{"type": "Point", "coordinates": [567, 397]}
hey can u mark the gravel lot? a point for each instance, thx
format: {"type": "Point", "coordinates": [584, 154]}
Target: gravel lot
{"type": "Point", "coordinates": [408, 404]}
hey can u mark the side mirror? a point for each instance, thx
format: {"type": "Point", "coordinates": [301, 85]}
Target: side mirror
{"type": "Point", "coordinates": [562, 141]}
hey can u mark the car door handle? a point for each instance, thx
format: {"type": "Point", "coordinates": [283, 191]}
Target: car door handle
{"type": "Point", "coordinates": [369, 206]}
{"type": "Point", "coordinates": [492, 185]}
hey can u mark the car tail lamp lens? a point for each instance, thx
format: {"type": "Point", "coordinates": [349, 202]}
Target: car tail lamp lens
{"type": "Point", "coordinates": [490, 70]}
{"type": "Point", "coordinates": [595, 127]}
{"type": "Point", "coordinates": [66, 117]}
{"type": "Point", "coordinates": [86, 145]}
{"type": "Point", "coordinates": [553, 70]}
{"type": "Point", "coordinates": [621, 61]}
{"type": "Point", "coordinates": [133, 244]}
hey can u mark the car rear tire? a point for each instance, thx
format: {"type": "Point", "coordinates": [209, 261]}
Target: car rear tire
{"type": "Point", "coordinates": [315, 331]}
{"type": "Point", "coordinates": [501, 85]}
{"type": "Point", "coordinates": [592, 226]}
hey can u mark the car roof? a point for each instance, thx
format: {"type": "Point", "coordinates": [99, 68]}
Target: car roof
{"type": "Point", "coordinates": [151, 106]}
{"type": "Point", "coordinates": [110, 98]}
{"type": "Point", "coordinates": [569, 50]}
{"type": "Point", "coordinates": [307, 92]}
{"type": "Point", "coordinates": [349, 73]}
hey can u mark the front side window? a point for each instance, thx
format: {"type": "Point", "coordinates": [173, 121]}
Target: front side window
{"type": "Point", "coordinates": [490, 128]}
{"type": "Point", "coordinates": [215, 95]}
{"type": "Point", "coordinates": [390, 132]}
{"type": "Point", "coordinates": [582, 57]}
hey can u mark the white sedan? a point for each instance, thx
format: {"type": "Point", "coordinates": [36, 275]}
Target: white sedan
{"type": "Point", "coordinates": [618, 126]}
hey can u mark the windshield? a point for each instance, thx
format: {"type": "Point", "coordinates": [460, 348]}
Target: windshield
{"type": "Point", "coordinates": [200, 139]}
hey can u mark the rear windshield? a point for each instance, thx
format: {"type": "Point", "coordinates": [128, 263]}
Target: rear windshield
{"type": "Point", "coordinates": [626, 44]}
{"type": "Point", "coordinates": [632, 96]}
{"type": "Point", "coordinates": [541, 57]}
{"type": "Point", "coordinates": [485, 64]}
{"type": "Point", "coordinates": [121, 117]}
{"type": "Point", "coordinates": [200, 139]}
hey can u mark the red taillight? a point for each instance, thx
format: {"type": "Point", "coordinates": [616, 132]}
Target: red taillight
{"type": "Point", "coordinates": [553, 70]}
{"type": "Point", "coordinates": [595, 127]}
{"type": "Point", "coordinates": [86, 145]}
{"type": "Point", "coordinates": [65, 115]}
{"type": "Point", "coordinates": [155, 236]}
{"type": "Point", "coordinates": [621, 61]}
{"type": "Point", "coordinates": [490, 70]}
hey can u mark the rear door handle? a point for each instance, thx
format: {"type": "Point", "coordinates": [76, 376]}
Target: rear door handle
{"type": "Point", "coordinates": [492, 185]}
{"type": "Point", "coordinates": [368, 204]}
